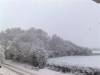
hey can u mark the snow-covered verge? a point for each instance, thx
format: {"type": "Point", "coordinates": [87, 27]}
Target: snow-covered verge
{"type": "Point", "coordinates": [31, 69]}
{"type": "Point", "coordinates": [77, 70]}
{"type": "Point", "coordinates": [51, 72]}
{"type": "Point", "coordinates": [88, 65]}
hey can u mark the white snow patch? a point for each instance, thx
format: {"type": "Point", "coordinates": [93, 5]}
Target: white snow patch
{"type": "Point", "coordinates": [85, 61]}
{"type": "Point", "coordinates": [50, 72]}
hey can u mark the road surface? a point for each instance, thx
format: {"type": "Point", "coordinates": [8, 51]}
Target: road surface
{"type": "Point", "coordinates": [12, 70]}
{"type": "Point", "coordinates": [5, 71]}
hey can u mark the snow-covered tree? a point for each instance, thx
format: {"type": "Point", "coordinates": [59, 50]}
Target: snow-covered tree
{"type": "Point", "coordinates": [2, 54]}
{"type": "Point", "coordinates": [35, 45]}
{"type": "Point", "coordinates": [39, 57]}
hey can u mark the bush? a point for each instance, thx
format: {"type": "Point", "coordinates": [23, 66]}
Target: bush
{"type": "Point", "coordinates": [39, 58]}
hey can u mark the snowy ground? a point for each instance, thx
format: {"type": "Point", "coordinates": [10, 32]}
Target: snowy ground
{"type": "Point", "coordinates": [39, 72]}
{"type": "Point", "coordinates": [92, 61]}
{"type": "Point", "coordinates": [5, 71]}
{"type": "Point", "coordinates": [85, 61]}
{"type": "Point", "coordinates": [50, 72]}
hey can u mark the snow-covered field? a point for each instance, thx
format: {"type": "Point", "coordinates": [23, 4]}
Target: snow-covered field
{"type": "Point", "coordinates": [85, 61]}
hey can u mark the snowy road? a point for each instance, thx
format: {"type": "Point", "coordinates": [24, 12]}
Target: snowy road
{"type": "Point", "coordinates": [5, 71]}
{"type": "Point", "coordinates": [24, 68]}
{"type": "Point", "coordinates": [16, 69]}
{"type": "Point", "coordinates": [51, 72]}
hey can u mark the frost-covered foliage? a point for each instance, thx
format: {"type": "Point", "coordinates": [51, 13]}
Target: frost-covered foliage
{"type": "Point", "coordinates": [2, 55]}
{"type": "Point", "coordinates": [26, 45]}
{"type": "Point", "coordinates": [60, 47]}
{"type": "Point", "coordinates": [39, 57]}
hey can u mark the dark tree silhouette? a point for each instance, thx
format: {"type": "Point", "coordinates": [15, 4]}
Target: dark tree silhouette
{"type": "Point", "coordinates": [97, 1]}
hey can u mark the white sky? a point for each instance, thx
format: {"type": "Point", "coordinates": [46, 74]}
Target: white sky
{"type": "Point", "coordinates": [75, 20]}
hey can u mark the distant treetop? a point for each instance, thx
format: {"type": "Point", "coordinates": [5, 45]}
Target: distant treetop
{"type": "Point", "coordinates": [97, 1]}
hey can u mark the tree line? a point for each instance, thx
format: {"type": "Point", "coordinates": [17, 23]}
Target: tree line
{"type": "Point", "coordinates": [34, 46]}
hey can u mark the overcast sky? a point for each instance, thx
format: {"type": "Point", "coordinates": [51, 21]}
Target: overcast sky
{"type": "Point", "coordinates": [75, 20]}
